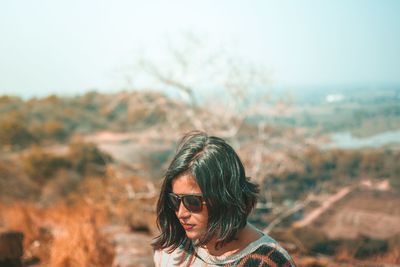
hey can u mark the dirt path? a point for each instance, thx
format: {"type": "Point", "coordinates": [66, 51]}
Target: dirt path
{"type": "Point", "coordinates": [309, 218]}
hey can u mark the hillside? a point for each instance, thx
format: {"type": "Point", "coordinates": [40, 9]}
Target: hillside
{"type": "Point", "coordinates": [97, 159]}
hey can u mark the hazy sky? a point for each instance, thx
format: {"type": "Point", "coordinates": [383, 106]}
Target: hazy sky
{"type": "Point", "coordinates": [71, 46]}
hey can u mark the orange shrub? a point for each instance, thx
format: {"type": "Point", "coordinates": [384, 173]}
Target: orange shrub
{"type": "Point", "coordinates": [60, 236]}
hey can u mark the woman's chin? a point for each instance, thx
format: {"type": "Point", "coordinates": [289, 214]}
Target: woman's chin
{"type": "Point", "coordinates": [193, 235]}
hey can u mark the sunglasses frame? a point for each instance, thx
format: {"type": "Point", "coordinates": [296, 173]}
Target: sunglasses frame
{"type": "Point", "coordinates": [181, 199]}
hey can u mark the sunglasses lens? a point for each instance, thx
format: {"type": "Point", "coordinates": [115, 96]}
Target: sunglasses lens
{"type": "Point", "coordinates": [174, 201]}
{"type": "Point", "coordinates": [192, 203]}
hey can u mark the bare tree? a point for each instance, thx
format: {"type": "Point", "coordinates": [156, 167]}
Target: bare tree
{"type": "Point", "coordinates": [212, 79]}
{"type": "Point", "coordinates": [222, 92]}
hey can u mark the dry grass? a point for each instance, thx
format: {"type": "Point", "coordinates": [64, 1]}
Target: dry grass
{"type": "Point", "coordinates": [121, 201]}
{"type": "Point", "coordinates": [60, 236]}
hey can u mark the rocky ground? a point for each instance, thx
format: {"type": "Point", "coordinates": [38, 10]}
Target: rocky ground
{"type": "Point", "coordinates": [132, 249]}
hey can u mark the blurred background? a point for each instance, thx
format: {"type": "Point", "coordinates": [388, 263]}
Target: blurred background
{"type": "Point", "coordinates": [95, 95]}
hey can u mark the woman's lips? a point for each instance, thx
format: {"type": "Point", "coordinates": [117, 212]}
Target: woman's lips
{"type": "Point", "coordinates": [187, 227]}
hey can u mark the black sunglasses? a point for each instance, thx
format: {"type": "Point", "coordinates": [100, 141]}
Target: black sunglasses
{"type": "Point", "coordinates": [193, 203]}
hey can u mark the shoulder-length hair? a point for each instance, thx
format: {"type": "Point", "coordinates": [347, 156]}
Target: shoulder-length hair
{"type": "Point", "coordinates": [230, 196]}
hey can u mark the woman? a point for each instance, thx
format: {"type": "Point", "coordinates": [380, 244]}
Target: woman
{"type": "Point", "coordinates": [202, 210]}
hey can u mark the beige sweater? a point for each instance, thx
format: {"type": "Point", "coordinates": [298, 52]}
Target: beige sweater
{"type": "Point", "coordinates": [263, 252]}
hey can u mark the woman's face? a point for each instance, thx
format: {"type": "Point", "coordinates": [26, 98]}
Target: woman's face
{"type": "Point", "coordinates": [194, 223]}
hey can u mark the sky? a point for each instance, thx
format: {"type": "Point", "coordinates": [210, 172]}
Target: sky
{"type": "Point", "coordinates": [73, 46]}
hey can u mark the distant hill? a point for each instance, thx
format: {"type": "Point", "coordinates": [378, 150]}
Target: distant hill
{"type": "Point", "coordinates": [54, 119]}
{"type": "Point", "coordinates": [359, 109]}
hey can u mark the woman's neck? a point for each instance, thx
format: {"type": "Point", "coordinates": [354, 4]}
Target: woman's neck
{"type": "Point", "coordinates": [243, 238]}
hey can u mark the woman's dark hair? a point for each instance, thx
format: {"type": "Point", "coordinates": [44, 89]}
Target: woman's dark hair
{"type": "Point", "coordinates": [219, 172]}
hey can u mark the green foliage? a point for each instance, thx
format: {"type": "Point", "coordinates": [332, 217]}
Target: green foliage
{"type": "Point", "coordinates": [363, 112]}
{"type": "Point", "coordinates": [54, 119]}
{"type": "Point", "coordinates": [394, 242]}
{"type": "Point", "coordinates": [63, 183]}
{"type": "Point", "coordinates": [311, 238]}
{"type": "Point", "coordinates": [86, 159]}
{"type": "Point", "coordinates": [41, 166]}
{"type": "Point", "coordinates": [315, 241]}
{"type": "Point", "coordinates": [361, 247]}
{"type": "Point", "coordinates": [327, 247]}
{"type": "Point", "coordinates": [330, 168]}
{"type": "Point", "coordinates": [13, 184]}
{"type": "Point", "coordinates": [54, 130]}
{"type": "Point", "coordinates": [14, 131]}
{"type": "Point", "coordinates": [50, 174]}
{"type": "Point", "coordinates": [369, 247]}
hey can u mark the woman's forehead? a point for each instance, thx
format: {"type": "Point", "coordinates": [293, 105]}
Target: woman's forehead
{"type": "Point", "coordinates": [185, 184]}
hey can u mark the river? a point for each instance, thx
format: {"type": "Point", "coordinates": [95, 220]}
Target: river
{"type": "Point", "coordinates": [345, 140]}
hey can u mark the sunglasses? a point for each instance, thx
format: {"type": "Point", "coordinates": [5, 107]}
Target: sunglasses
{"type": "Point", "coordinates": [193, 203]}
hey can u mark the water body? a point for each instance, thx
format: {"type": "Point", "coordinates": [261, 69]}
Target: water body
{"type": "Point", "coordinates": [345, 140]}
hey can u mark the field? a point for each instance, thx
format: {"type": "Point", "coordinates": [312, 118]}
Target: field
{"type": "Point", "coordinates": [373, 214]}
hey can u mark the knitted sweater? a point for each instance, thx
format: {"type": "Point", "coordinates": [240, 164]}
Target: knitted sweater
{"type": "Point", "coordinates": [263, 252]}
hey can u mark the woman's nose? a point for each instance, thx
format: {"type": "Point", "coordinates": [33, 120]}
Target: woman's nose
{"type": "Point", "coordinates": [182, 211]}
